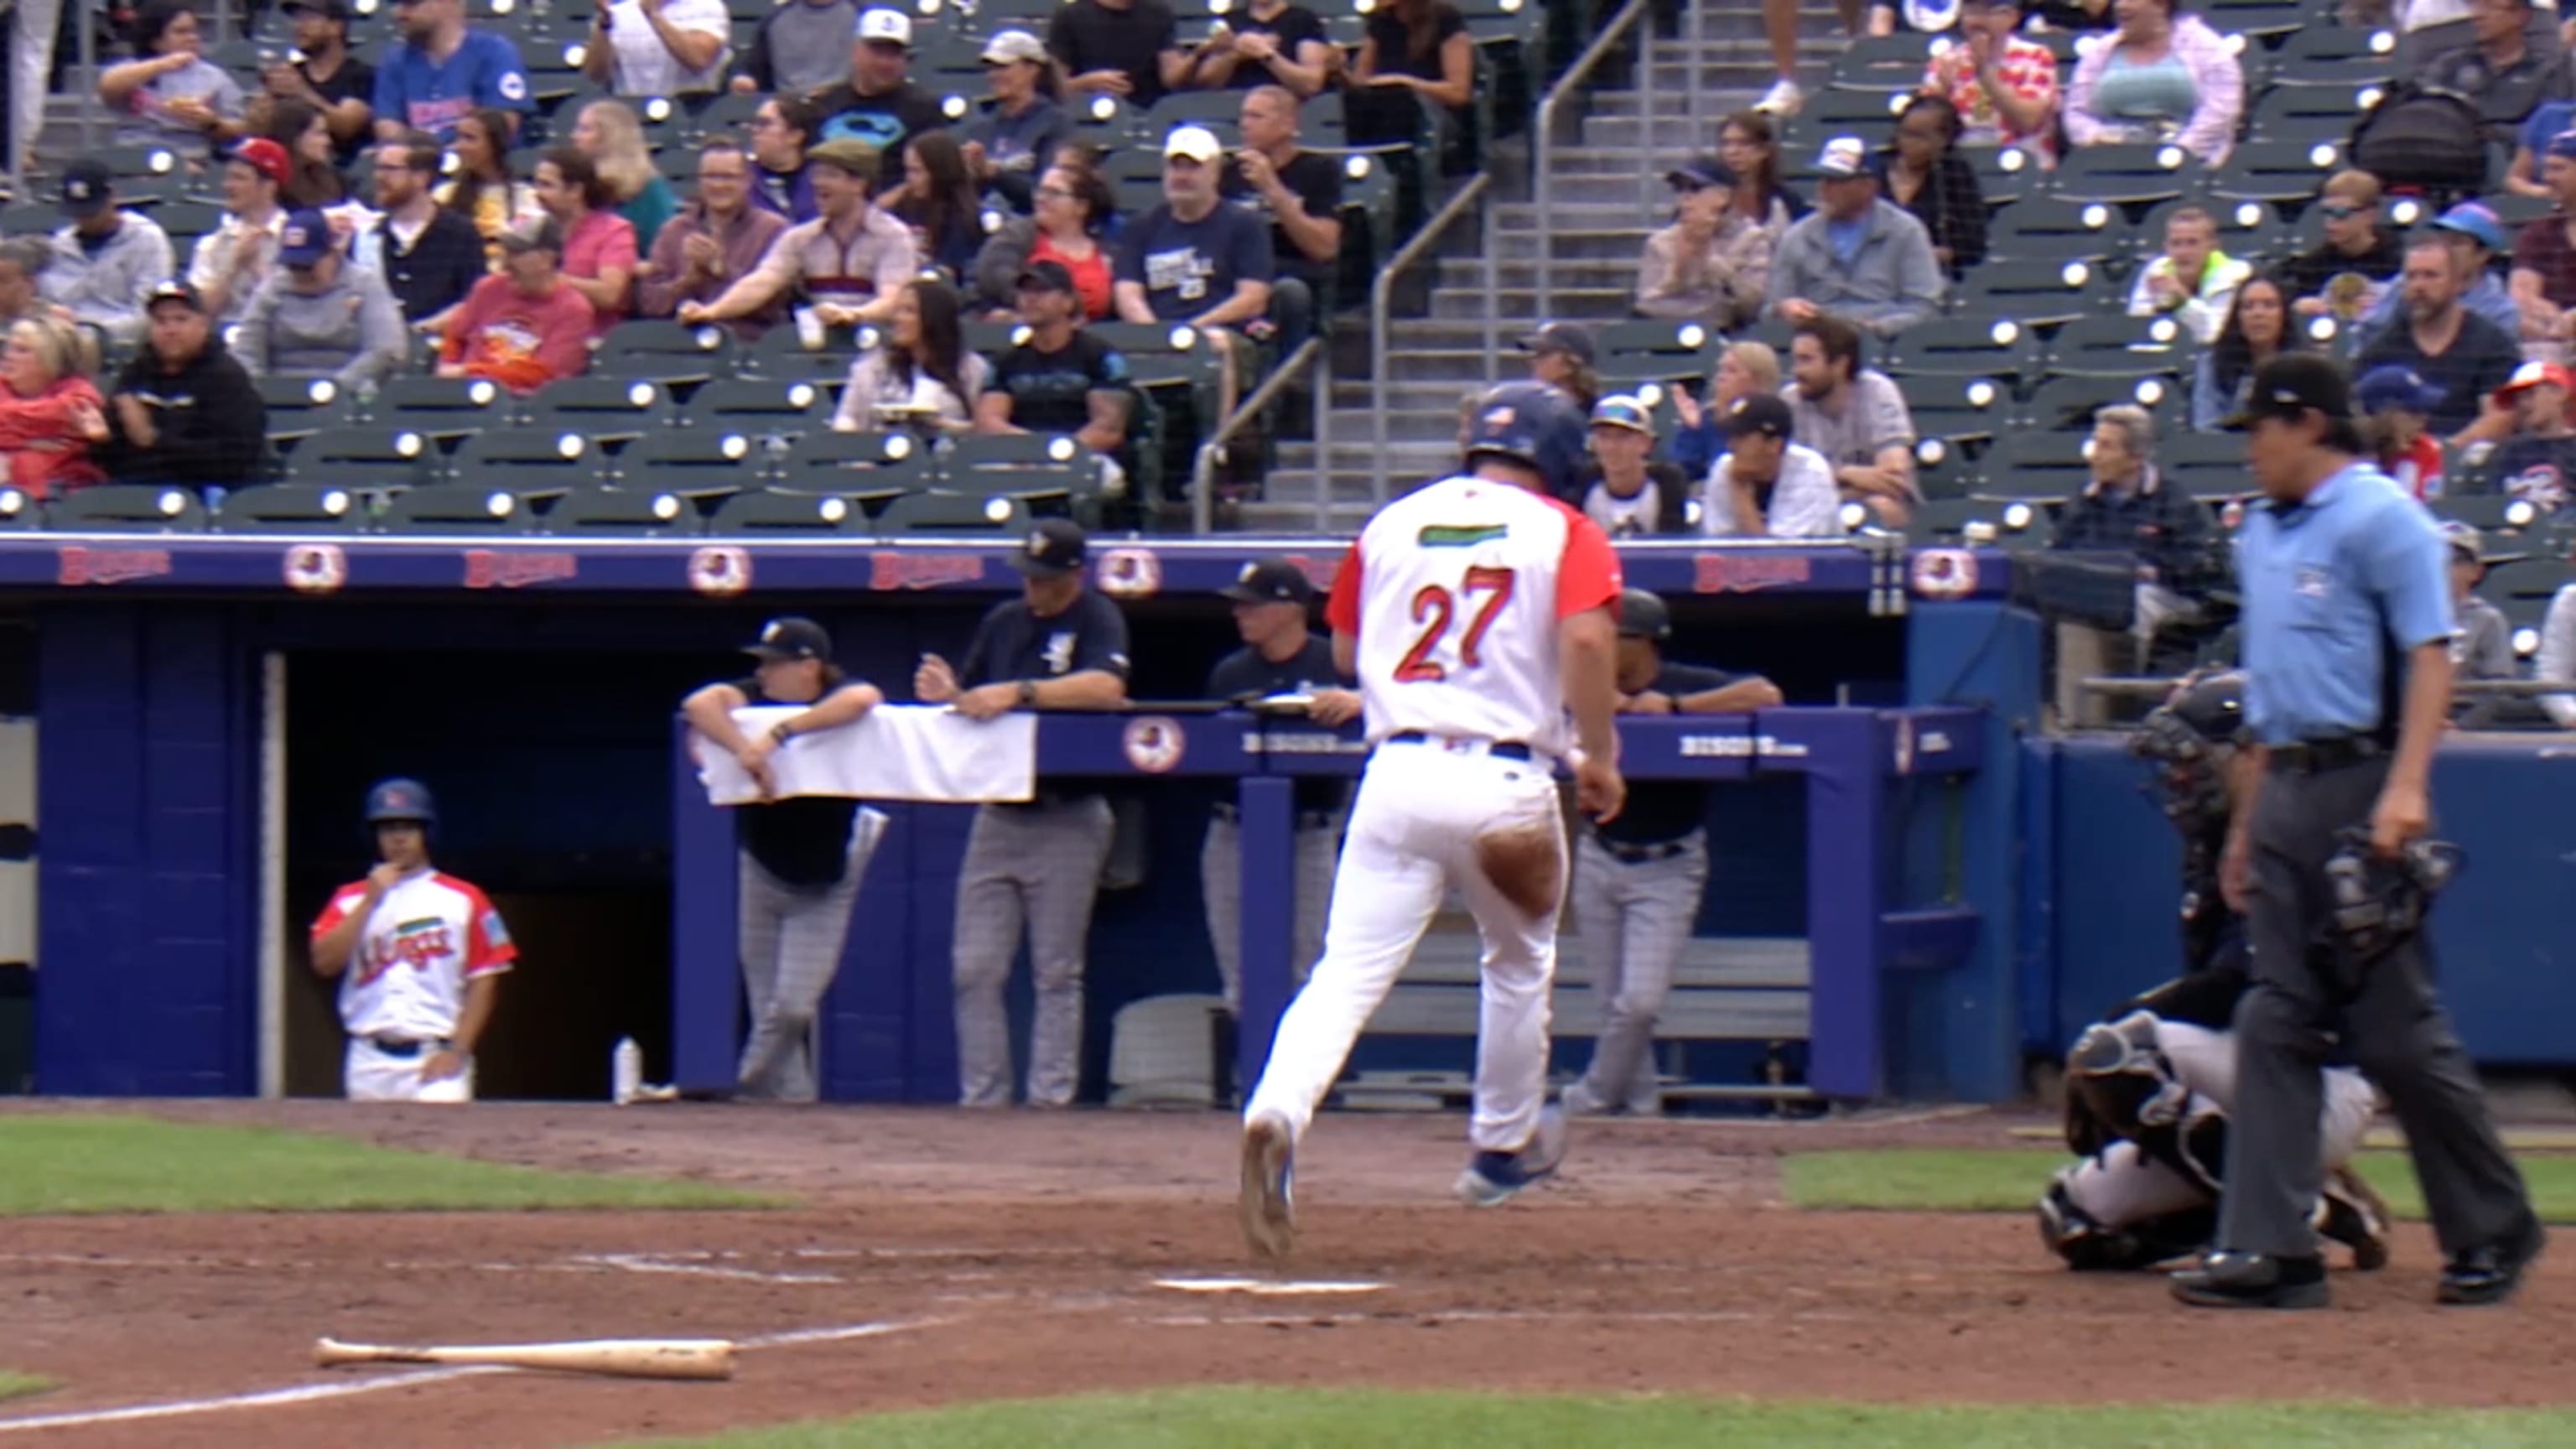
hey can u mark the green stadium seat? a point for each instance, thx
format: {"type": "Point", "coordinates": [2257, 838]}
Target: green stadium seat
{"type": "Point", "coordinates": [527, 460]}
{"type": "Point", "coordinates": [769, 511]}
{"type": "Point", "coordinates": [371, 457]}
{"type": "Point", "coordinates": [604, 409]}
{"type": "Point", "coordinates": [127, 508]}
{"type": "Point", "coordinates": [761, 406]}
{"type": "Point", "coordinates": [671, 353]}
{"type": "Point", "coordinates": [441, 407]}
{"type": "Point", "coordinates": [293, 508]}
{"type": "Point", "coordinates": [2053, 230]}
{"type": "Point", "coordinates": [2035, 293]}
{"type": "Point", "coordinates": [700, 462]}
{"type": "Point", "coordinates": [2284, 173]}
{"type": "Point", "coordinates": [2005, 174]}
{"type": "Point", "coordinates": [2121, 347]}
{"type": "Point", "coordinates": [1884, 63]}
{"type": "Point", "coordinates": [299, 407]}
{"type": "Point", "coordinates": [19, 510]}
{"type": "Point", "coordinates": [849, 464]}
{"type": "Point", "coordinates": [1654, 351]}
{"type": "Point", "coordinates": [1997, 347]}
{"type": "Point", "coordinates": [480, 507]}
{"type": "Point", "coordinates": [623, 513]}
{"type": "Point", "coordinates": [2335, 57]}
{"type": "Point", "coordinates": [1958, 407]}
{"type": "Point", "coordinates": [959, 515]}
{"type": "Point", "coordinates": [2124, 175]}
{"type": "Point", "coordinates": [780, 355]}
{"type": "Point", "coordinates": [2070, 402]}
{"type": "Point", "coordinates": [2306, 114]}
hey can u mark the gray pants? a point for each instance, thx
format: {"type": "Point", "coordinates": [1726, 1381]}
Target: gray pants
{"type": "Point", "coordinates": [790, 938]}
{"type": "Point", "coordinates": [2395, 1031]}
{"type": "Point", "coordinates": [1039, 864]}
{"type": "Point", "coordinates": [1634, 921]}
{"type": "Point", "coordinates": [1319, 847]}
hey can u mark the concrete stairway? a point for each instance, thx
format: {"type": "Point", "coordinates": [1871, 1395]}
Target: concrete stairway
{"type": "Point", "coordinates": [1437, 348]}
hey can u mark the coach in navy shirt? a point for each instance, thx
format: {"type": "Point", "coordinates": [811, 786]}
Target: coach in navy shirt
{"type": "Point", "coordinates": [444, 70]}
{"type": "Point", "coordinates": [2348, 688]}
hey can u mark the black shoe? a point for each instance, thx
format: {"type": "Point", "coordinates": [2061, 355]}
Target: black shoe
{"type": "Point", "coordinates": [2253, 1280]}
{"type": "Point", "coordinates": [2487, 1275]}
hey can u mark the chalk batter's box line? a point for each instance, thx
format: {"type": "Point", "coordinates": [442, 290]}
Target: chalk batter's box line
{"type": "Point", "coordinates": [319, 1392]}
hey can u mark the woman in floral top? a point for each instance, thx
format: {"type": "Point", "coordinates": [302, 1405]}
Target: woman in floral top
{"type": "Point", "coordinates": [2004, 86]}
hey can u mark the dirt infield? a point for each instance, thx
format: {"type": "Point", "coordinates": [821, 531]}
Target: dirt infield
{"type": "Point", "coordinates": [965, 1256]}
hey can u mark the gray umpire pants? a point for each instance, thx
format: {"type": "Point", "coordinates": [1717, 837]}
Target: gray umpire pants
{"type": "Point", "coordinates": [2394, 1030]}
{"type": "Point", "coordinates": [790, 939]}
{"type": "Point", "coordinates": [1633, 919]}
{"type": "Point", "coordinates": [1039, 864]}
{"type": "Point", "coordinates": [1318, 846]}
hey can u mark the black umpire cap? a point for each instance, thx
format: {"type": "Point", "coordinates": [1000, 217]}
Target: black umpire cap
{"type": "Point", "coordinates": [2294, 382]}
{"type": "Point", "coordinates": [782, 640]}
{"type": "Point", "coordinates": [1271, 581]}
{"type": "Point", "coordinates": [1643, 616]}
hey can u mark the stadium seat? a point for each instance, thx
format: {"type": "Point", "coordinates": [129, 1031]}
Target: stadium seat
{"type": "Point", "coordinates": [2121, 347]}
{"type": "Point", "coordinates": [2306, 113]}
{"type": "Point", "coordinates": [604, 409]}
{"type": "Point", "coordinates": [293, 508]}
{"type": "Point", "coordinates": [2005, 174]}
{"type": "Point", "coordinates": [2257, 19]}
{"type": "Point", "coordinates": [1884, 63]}
{"type": "Point", "coordinates": [760, 405]}
{"type": "Point", "coordinates": [2334, 57]}
{"type": "Point", "coordinates": [2040, 463]}
{"type": "Point", "coordinates": [2033, 293]}
{"type": "Point", "coordinates": [1993, 346]}
{"type": "Point", "coordinates": [2211, 465]}
{"type": "Point", "coordinates": [128, 508]}
{"type": "Point", "coordinates": [528, 460]}
{"type": "Point", "coordinates": [768, 511]}
{"type": "Point", "coordinates": [854, 463]}
{"type": "Point", "coordinates": [1654, 351]}
{"type": "Point", "coordinates": [19, 510]}
{"type": "Point", "coordinates": [1050, 474]}
{"type": "Point", "coordinates": [2070, 402]}
{"type": "Point", "coordinates": [670, 353]}
{"type": "Point", "coordinates": [781, 354]}
{"type": "Point", "coordinates": [440, 407]}
{"type": "Point", "coordinates": [1961, 408]}
{"type": "Point", "coordinates": [471, 508]}
{"type": "Point", "coordinates": [705, 462]}
{"type": "Point", "coordinates": [186, 219]}
{"type": "Point", "coordinates": [299, 407]}
{"type": "Point", "coordinates": [945, 513]}
{"type": "Point", "coordinates": [623, 513]}
{"type": "Point", "coordinates": [2053, 230]}
{"type": "Point", "coordinates": [2284, 173]}
{"type": "Point", "coordinates": [375, 457]}
{"type": "Point", "coordinates": [2124, 175]}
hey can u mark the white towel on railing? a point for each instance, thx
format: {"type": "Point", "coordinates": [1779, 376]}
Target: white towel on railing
{"type": "Point", "coordinates": [894, 752]}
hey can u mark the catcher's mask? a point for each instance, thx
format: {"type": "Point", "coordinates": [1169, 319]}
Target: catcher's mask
{"type": "Point", "coordinates": [2380, 901]}
{"type": "Point", "coordinates": [2191, 737]}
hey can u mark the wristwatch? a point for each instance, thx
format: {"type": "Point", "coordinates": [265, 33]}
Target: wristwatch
{"type": "Point", "coordinates": [1028, 693]}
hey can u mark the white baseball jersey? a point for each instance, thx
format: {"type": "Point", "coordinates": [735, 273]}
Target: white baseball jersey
{"type": "Point", "coordinates": [1455, 593]}
{"type": "Point", "coordinates": [427, 937]}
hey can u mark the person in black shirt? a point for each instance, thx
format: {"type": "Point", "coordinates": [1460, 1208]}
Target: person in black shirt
{"type": "Point", "coordinates": [1280, 656]}
{"type": "Point", "coordinates": [1062, 379]}
{"type": "Point", "coordinates": [1301, 194]}
{"type": "Point", "coordinates": [1638, 878]}
{"type": "Point", "coordinates": [1057, 646]}
{"type": "Point", "coordinates": [429, 255]}
{"type": "Point", "coordinates": [1270, 42]}
{"type": "Point", "coordinates": [1130, 49]}
{"type": "Point", "coordinates": [322, 73]}
{"type": "Point", "coordinates": [800, 859]}
{"type": "Point", "coordinates": [879, 105]}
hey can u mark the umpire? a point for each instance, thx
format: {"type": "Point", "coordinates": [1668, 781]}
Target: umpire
{"type": "Point", "coordinates": [800, 859]}
{"type": "Point", "coordinates": [2348, 681]}
{"type": "Point", "coordinates": [1280, 655]}
{"type": "Point", "coordinates": [1057, 646]}
{"type": "Point", "coordinates": [1638, 877]}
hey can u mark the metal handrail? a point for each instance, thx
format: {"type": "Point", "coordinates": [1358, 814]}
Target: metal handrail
{"type": "Point", "coordinates": [2129, 686]}
{"type": "Point", "coordinates": [1543, 131]}
{"type": "Point", "coordinates": [1382, 298]}
{"type": "Point", "coordinates": [1211, 452]}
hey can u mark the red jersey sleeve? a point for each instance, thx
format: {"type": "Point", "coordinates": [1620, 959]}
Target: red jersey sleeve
{"type": "Point", "coordinates": [488, 947]}
{"type": "Point", "coordinates": [1342, 609]}
{"type": "Point", "coordinates": [342, 902]}
{"type": "Point", "coordinates": [1587, 575]}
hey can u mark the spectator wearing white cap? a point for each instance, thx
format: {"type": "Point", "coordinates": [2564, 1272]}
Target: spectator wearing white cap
{"type": "Point", "coordinates": [658, 47]}
{"type": "Point", "coordinates": [1623, 488]}
{"type": "Point", "coordinates": [1858, 256]}
{"type": "Point", "coordinates": [796, 51]}
{"type": "Point", "coordinates": [1195, 259]}
{"type": "Point", "coordinates": [1710, 265]}
{"type": "Point", "coordinates": [1009, 140]}
{"type": "Point", "coordinates": [2537, 462]}
{"type": "Point", "coordinates": [879, 105]}
{"type": "Point", "coordinates": [1130, 49]}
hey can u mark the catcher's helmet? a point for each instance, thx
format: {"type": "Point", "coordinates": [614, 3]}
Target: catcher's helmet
{"type": "Point", "coordinates": [2185, 735]}
{"type": "Point", "coordinates": [400, 799]}
{"type": "Point", "coordinates": [1643, 616]}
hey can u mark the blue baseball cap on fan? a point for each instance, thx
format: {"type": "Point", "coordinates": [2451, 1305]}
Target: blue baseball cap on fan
{"type": "Point", "coordinates": [1534, 424]}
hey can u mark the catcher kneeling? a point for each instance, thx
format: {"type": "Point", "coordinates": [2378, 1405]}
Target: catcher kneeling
{"type": "Point", "coordinates": [2148, 1089]}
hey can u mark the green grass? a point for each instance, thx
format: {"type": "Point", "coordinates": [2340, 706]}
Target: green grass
{"type": "Point", "coordinates": [111, 1164]}
{"type": "Point", "coordinates": [1367, 1419]}
{"type": "Point", "coordinates": [16, 1385]}
{"type": "Point", "coordinates": [2009, 1180]}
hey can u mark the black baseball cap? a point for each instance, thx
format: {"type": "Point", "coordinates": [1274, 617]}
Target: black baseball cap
{"type": "Point", "coordinates": [88, 188]}
{"type": "Point", "coordinates": [1763, 413]}
{"type": "Point", "coordinates": [2290, 384]}
{"type": "Point", "coordinates": [1700, 174]}
{"type": "Point", "coordinates": [791, 638]}
{"type": "Point", "coordinates": [1055, 548]}
{"type": "Point", "coordinates": [1565, 337]}
{"type": "Point", "coordinates": [1270, 581]}
{"type": "Point", "coordinates": [177, 289]}
{"type": "Point", "coordinates": [1643, 616]}
{"type": "Point", "coordinates": [1046, 276]}
{"type": "Point", "coordinates": [327, 9]}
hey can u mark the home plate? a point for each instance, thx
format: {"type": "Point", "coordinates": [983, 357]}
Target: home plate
{"type": "Point", "coordinates": [1263, 1287]}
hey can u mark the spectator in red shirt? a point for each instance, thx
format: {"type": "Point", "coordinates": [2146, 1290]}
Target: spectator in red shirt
{"type": "Point", "coordinates": [527, 326]}
{"type": "Point", "coordinates": [599, 256]}
{"type": "Point", "coordinates": [48, 411]}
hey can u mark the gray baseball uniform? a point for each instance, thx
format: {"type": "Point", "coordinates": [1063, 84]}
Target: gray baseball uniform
{"type": "Point", "coordinates": [1321, 804]}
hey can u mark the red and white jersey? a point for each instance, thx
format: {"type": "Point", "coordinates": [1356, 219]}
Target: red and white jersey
{"type": "Point", "coordinates": [1455, 592]}
{"type": "Point", "coordinates": [427, 937]}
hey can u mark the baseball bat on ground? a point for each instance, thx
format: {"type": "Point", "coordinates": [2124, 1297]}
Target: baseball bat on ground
{"type": "Point", "coordinates": [642, 1358]}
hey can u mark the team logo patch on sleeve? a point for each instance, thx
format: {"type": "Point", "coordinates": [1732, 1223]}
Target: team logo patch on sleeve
{"type": "Point", "coordinates": [495, 935]}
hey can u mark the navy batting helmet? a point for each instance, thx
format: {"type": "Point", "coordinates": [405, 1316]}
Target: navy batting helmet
{"type": "Point", "coordinates": [1532, 424]}
{"type": "Point", "coordinates": [400, 799]}
{"type": "Point", "coordinates": [1643, 616]}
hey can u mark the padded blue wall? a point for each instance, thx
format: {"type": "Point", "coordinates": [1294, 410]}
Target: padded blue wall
{"type": "Point", "coordinates": [145, 786]}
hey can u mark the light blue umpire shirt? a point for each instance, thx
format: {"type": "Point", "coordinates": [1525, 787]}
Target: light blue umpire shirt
{"type": "Point", "coordinates": [2316, 581]}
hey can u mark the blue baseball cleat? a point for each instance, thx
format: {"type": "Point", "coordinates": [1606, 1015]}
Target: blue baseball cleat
{"type": "Point", "coordinates": [1494, 1178]}
{"type": "Point", "coordinates": [1267, 1207]}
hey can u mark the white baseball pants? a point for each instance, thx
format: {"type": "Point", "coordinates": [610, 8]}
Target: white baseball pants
{"type": "Point", "coordinates": [2123, 1185]}
{"type": "Point", "coordinates": [370, 1074]}
{"type": "Point", "coordinates": [1414, 834]}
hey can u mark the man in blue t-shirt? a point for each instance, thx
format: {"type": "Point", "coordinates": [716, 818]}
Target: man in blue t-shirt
{"type": "Point", "coordinates": [1196, 259]}
{"type": "Point", "coordinates": [443, 70]}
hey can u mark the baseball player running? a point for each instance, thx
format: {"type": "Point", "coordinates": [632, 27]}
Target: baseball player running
{"type": "Point", "coordinates": [1280, 656]}
{"type": "Point", "coordinates": [418, 955]}
{"type": "Point", "coordinates": [800, 860]}
{"type": "Point", "coordinates": [1475, 613]}
{"type": "Point", "coordinates": [1638, 878]}
{"type": "Point", "coordinates": [2149, 1089]}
